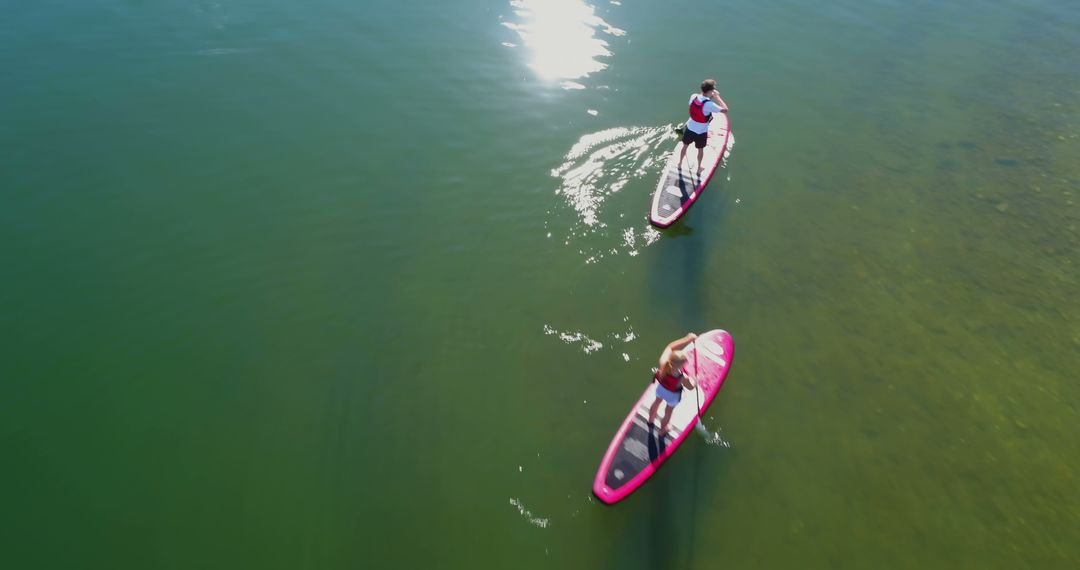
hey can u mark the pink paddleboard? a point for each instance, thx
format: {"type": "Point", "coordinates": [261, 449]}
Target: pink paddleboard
{"type": "Point", "coordinates": [680, 185]}
{"type": "Point", "coordinates": [637, 449]}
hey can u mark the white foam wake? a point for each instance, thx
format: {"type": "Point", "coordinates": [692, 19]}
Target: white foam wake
{"type": "Point", "coordinates": [590, 345]}
{"type": "Point", "coordinates": [711, 438]}
{"type": "Point", "coordinates": [535, 521]}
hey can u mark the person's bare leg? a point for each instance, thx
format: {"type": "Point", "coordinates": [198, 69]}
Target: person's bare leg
{"type": "Point", "coordinates": [700, 158]}
{"type": "Point", "coordinates": [667, 419]}
{"type": "Point", "coordinates": [682, 155]}
{"type": "Point", "coordinates": [652, 410]}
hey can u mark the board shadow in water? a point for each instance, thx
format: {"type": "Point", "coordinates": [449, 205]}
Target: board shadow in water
{"type": "Point", "coordinates": [663, 524]}
{"type": "Point", "coordinates": [677, 230]}
{"type": "Point", "coordinates": [662, 519]}
{"type": "Point", "coordinates": [677, 279]}
{"type": "Point", "coordinates": [675, 515]}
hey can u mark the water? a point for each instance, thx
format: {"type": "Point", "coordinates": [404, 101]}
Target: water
{"type": "Point", "coordinates": [343, 284]}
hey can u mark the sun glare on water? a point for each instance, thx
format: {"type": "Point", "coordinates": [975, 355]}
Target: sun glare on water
{"type": "Point", "coordinates": [561, 37]}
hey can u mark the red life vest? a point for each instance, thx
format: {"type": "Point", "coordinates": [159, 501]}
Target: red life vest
{"type": "Point", "coordinates": [672, 382]}
{"type": "Point", "coordinates": [697, 111]}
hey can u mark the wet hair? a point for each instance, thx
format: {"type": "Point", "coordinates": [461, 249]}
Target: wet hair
{"type": "Point", "coordinates": [708, 85]}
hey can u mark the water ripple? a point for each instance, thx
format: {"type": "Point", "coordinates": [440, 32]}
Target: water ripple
{"type": "Point", "coordinates": [534, 520]}
{"type": "Point", "coordinates": [596, 168]}
{"type": "Point", "coordinates": [590, 345]}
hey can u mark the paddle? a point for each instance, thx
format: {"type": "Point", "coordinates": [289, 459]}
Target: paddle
{"type": "Point", "coordinates": [697, 383]}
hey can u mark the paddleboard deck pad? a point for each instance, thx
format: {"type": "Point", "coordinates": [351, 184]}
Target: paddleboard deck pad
{"type": "Point", "coordinates": [681, 184]}
{"type": "Point", "coordinates": [638, 449]}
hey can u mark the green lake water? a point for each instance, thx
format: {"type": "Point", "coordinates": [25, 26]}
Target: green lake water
{"type": "Point", "coordinates": [370, 284]}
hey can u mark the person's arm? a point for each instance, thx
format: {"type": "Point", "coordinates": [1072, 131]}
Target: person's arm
{"type": "Point", "coordinates": [714, 96]}
{"type": "Point", "coordinates": [682, 342]}
{"type": "Point", "coordinates": [688, 381]}
{"type": "Point", "coordinates": [676, 345]}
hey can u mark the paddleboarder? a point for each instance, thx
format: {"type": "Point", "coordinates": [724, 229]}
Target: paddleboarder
{"type": "Point", "coordinates": [696, 131]}
{"type": "Point", "coordinates": [670, 380]}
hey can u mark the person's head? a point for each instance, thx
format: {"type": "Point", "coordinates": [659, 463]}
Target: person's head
{"type": "Point", "coordinates": [707, 86]}
{"type": "Point", "coordinates": [677, 359]}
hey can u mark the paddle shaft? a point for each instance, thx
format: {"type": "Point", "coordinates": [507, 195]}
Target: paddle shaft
{"type": "Point", "coordinates": [697, 383]}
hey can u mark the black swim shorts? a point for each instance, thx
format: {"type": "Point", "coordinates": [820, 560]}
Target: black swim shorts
{"type": "Point", "coordinates": [689, 136]}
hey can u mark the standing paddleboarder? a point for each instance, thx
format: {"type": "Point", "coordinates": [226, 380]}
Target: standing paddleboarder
{"type": "Point", "coordinates": [637, 450]}
{"type": "Point", "coordinates": [696, 131]}
{"type": "Point", "coordinates": [670, 380]}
